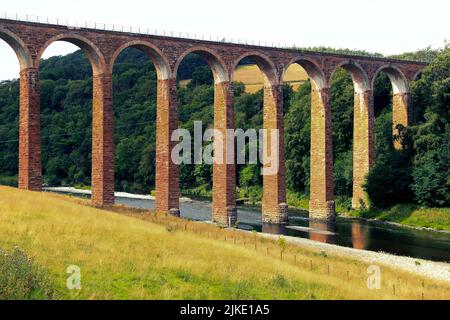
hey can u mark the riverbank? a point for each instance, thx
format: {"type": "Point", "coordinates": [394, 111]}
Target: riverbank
{"type": "Point", "coordinates": [88, 192]}
{"type": "Point", "coordinates": [135, 254]}
{"type": "Point", "coordinates": [402, 215]}
{"type": "Point", "coordinates": [409, 215]}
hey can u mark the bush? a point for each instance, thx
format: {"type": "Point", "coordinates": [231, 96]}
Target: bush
{"type": "Point", "coordinates": [250, 176]}
{"type": "Point", "coordinates": [343, 174]}
{"type": "Point", "coordinates": [21, 279]}
{"type": "Point", "coordinates": [432, 176]}
{"type": "Point", "coordinates": [9, 181]}
{"type": "Point", "coordinates": [389, 181]}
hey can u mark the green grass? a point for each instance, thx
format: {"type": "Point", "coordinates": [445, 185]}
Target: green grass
{"type": "Point", "coordinates": [410, 214]}
{"type": "Point", "coordinates": [132, 254]}
{"type": "Point", "coordinates": [10, 181]}
{"type": "Point", "coordinates": [82, 187]}
{"type": "Point", "coordinates": [21, 279]}
{"type": "Point", "coordinates": [297, 200]}
{"type": "Point", "coordinates": [406, 214]}
{"type": "Point", "coordinates": [203, 191]}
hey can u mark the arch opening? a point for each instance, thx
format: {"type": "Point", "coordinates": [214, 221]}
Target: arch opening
{"type": "Point", "coordinates": [213, 60]}
{"type": "Point", "coordinates": [349, 113]}
{"type": "Point", "coordinates": [92, 53]}
{"type": "Point", "coordinates": [66, 97]}
{"type": "Point", "coordinates": [197, 84]}
{"type": "Point", "coordinates": [9, 115]}
{"type": "Point", "coordinates": [314, 73]}
{"type": "Point", "coordinates": [266, 68]}
{"type": "Point", "coordinates": [297, 106]}
{"type": "Point", "coordinates": [135, 82]}
{"type": "Point", "coordinates": [259, 105]}
{"type": "Point", "coordinates": [353, 145]}
{"type": "Point", "coordinates": [358, 75]}
{"type": "Point", "coordinates": [158, 60]}
{"type": "Point", "coordinates": [397, 93]}
{"type": "Point", "coordinates": [19, 47]}
{"type": "Point", "coordinates": [398, 80]}
{"type": "Point", "coordinates": [309, 113]}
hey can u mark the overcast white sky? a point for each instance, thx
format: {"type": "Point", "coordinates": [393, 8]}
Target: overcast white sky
{"type": "Point", "coordinates": [386, 26]}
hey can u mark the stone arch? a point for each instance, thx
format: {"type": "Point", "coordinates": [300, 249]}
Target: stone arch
{"type": "Point", "coordinates": [396, 76]}
{"type": "Point", "coordinates": [360, 79]}
{"type": "Point", "coordinates": [92, 52]}
{"type": "Point", "coordinates": [315, 73]}
{"type": "Point", "coordinates": [19, 47]}
{"type": "Point", "coordinates": [321, 205]}
{"type": "Point", "coordinates": [264, 63]}
{"type": "Point", "coordinates": [213, 59]}
{"type": "Point", "coordinates": [154, 53]}
{"type": "Point", "coordinates": [417, 75]}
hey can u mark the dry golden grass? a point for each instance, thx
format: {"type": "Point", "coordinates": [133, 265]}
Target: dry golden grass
{"type": "Point", "coordinates": [161, 257]}
{"type": "Point", "coordinates": [184, 83]}
{"type": "Point", "coordinates": [253, 79]}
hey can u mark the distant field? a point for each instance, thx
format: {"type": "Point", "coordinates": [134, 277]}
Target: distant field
{"type": "Point", "coordinates": [253, 78]}
{"type": "Point", "coordinates": [138, 255]}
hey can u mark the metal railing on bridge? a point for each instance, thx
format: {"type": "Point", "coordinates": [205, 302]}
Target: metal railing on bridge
{"type": "Point", "coordinates": [73, 24]}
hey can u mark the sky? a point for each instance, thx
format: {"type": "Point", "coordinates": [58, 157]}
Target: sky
{"type": "Point", "coordinates": [385, 26]}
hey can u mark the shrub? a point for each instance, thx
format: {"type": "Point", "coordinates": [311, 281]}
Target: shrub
{"type": "Point", "coordinates": [21, 279]}
{"type": "Point", "coordinates": [389, 181]}
{"type": "Point", "coordinates": [432, 177]}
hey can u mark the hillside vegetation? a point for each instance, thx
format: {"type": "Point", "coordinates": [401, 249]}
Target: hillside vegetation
{"type": "Point", "coordinates": [138, 255]}
{"type": "Point", "coordinates": [418, 175]}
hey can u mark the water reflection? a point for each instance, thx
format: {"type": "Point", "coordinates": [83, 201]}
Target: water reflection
{"type": "Point", "coordinates": [274, 229]}
{"type": "Point", "coordinates": [345, 232]}
{"type": "Point", "coordinates": [322, 231]}
{"type": "Point", "coordinates": [360, 236]}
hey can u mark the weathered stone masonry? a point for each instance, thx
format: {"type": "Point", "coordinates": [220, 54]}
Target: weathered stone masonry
{"type": "Point", "coordinates": [167, 186]}
{"type": "Point", "coordinates": [224, 209]}
{"type": "Point", "coordinates": [363, 145]}
{"type": "Point", "coordinates": [29, 41]}
{"type": "Point", "coordinates": [274, 207]}
{"type": "Point", "coordinates": [102, 141]}
{"type": "Point", "coordinates": [30, 131]}
{"type": "Point", "coordinates": [321, 205]}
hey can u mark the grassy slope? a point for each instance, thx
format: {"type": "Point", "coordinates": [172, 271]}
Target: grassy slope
{"type": "Point", "coordinates": [124, 257]}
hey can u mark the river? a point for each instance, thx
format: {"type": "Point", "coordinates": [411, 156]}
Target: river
{"type": "Point", "coordinates": [354, 233]}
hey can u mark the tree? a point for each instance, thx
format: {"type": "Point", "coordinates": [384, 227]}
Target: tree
{"type": "Point", "coordinates": [431, 94]}
{"type": "Point", "coordinates": [297, 139]}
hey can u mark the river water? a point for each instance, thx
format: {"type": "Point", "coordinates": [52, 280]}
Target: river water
{"type": "Point", "coordinates": [353, 233]}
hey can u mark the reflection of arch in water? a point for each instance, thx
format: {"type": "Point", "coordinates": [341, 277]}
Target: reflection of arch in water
{"type": "Point", "coordinates": [322, 231]}
{"type": "Point", "coordinates": [274, 228]}
{"type": "Point", "coordinates": [360, 236]}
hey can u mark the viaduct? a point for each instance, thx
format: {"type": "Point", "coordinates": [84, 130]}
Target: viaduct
{"type": "Point", "coordinates": [30, 39]}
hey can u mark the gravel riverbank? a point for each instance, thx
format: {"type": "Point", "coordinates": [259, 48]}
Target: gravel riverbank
{"type": "Point", "coordinates": [430, 269]}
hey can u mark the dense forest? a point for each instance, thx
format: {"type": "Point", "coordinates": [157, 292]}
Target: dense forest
{"type": "Point", "coordinates": [420, 173]}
